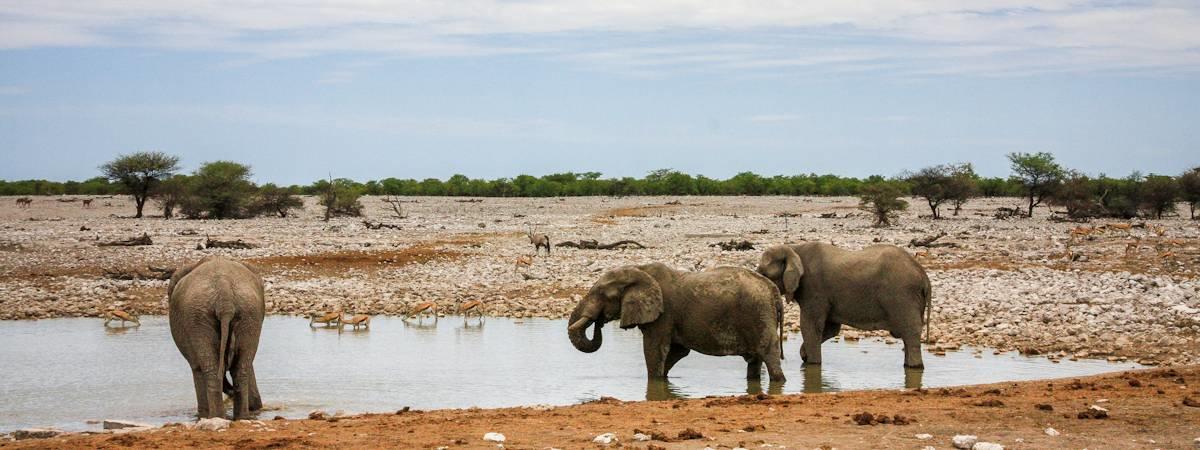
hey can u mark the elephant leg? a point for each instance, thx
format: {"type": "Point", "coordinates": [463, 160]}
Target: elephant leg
{"type": "Point", "coordinates": [810, 350]}
{"type": "Point", "coordinates": [676, 353]}
{"type": "Point", "coordinates": [201, 392]}
{"type": "Point", "coordinates": [831, 330]}
{"type": "Point", "coordinates": [255, 398]}
{"type": "Point", "coordinates": [912, 351]}
{"type": "Point", "coordinates": [213, 382]}
{"type": "Point", "coordinates": [753, 368]}
{"type": "Point", "coordinates": [655, 351]}
{"type": "Point", "coordinates": [773, 357]}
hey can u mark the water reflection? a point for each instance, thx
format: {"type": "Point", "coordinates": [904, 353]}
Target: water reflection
{"type": "Point", "coordinates": [913, 378]}
{"type": "Point", "coordinates": [117, 330]}
{"type": "Point", "coordinates": [755, 387]}
{"type": "Point", "coordinates": [658, 390]}
{"type": "Point", "coordinates": [814, 381]}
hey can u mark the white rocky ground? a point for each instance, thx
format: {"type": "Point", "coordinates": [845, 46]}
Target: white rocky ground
{"type": "Point", "coordinates": [1008, 284]}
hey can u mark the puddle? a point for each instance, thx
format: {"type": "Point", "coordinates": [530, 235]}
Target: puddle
{"type": "Point", "coordinates": [64, 372]}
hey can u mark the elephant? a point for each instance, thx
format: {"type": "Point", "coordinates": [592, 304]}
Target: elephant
{"type": "Point", "coordinates": [880, 287]}
{"type": "Point", "coordinates": [720, 312]}
{"type": "Point", "coordinates": [216, 309]}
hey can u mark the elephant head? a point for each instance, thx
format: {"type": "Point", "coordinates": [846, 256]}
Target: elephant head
{"type": "Point", "coordinates": [782, 265]}
{"type": "Point", "coordinates": [625, 292]}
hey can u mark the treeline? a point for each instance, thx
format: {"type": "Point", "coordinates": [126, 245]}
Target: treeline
{"type": "Point", "coordinates": [222, 189]}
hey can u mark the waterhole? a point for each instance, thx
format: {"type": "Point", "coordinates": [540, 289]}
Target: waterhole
{"type": "Point", "coordinates": [65, 373]}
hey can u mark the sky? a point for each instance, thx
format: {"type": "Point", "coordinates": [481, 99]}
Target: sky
{"type": "Point", "coordinates": [369, 89]}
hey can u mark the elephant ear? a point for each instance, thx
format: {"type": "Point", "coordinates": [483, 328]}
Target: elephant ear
{"type": "Point", "coordinates": [641, 299]}
{"type": "Point", "coordinates": [182, 272]}
{"type": "Point", "coordinates": [792, 272]}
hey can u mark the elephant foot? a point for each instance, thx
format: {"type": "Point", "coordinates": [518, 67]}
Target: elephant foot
{"type": "Point", "coordinates": [914, 366]}
{"type": "Point", "coordinates": [811, 363]}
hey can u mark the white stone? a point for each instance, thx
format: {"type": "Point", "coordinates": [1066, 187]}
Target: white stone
{"type": "Point", "coordinates": [640, 437]}
{"type": "Point", "coordinates": [211, 424]}
{"type": "Point", "coordinates": [493, 437]}
{"type": "Point", "coordinates": [606, 438]}
{"type": "Point", "coordinates": [1052, 432]}
{"type": "Point", "coordinates": [924, 436]}
{"type": "Point", "coordinates": [111, 424]}
{"type": "Point", "coordinates": [964, 441]}
{"type": "Point", "coordinates": [987, 446]}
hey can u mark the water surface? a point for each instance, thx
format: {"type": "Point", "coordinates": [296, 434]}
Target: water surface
{"type": "Point", "coordinates": [64, 372]}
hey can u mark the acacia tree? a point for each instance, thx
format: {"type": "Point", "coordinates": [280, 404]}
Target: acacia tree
{"type": "Point", "coordinates": [140, 173]}
{"type": "Point", "coordinates": [170, 193]}
{"type": "Point", "coordinates": [220, 190]}
{"type": "Point", "coordinates": [1158, 194]}
{"type": "Point", "coordinates": [931, 183]}
{"type": "Point", "coordinates": [881, 200]}
{"type": "Point", "coordinates": [273, 199]}
{"type": "Point", "coordinates": [1038, 174]}
{"type": "Point", "coordinates": [1189, 187]}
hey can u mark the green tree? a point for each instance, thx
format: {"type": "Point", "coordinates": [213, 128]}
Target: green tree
{"type": "Point", "coordinates": [273, 199]}
{"type": "Point", "coordinates": [1158, 194]}
{"type": "Point", "coordinates": [171, 192]}
{"type": "Point", "coordinates": [1038, 174]}
{"type": "Point", "coordinates": [220, 190]}
{"type": "Point", "coordinates": [882, 200]}
{"type": "Point", "coordinates": [341, 198]}
{"type": "Point", "coordinates": [140, 173]}
{"type": "Point", "coordinates": [1189, 187]}
{"type": "Point", "coordinates": [933, 184]}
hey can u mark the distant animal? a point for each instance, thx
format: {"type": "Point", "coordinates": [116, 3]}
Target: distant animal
{"type": "Point", "coordinates": [1134, 246]}
{"type": "Point", "coordinates": [123, 316]}
{"type": "Point", "coordinates": [723, 311]}
{"type": "Point", "coordinates": [362, 320]}
{"type": "Point", "coordinates": [1160, 231]}
{"type": "Point", "coordinates": [427, 308]}
{"type": "Point", "coordinates": [326, 318]}
{"type": "Point", "coordinates": [216, 309]}
{"type": "Point", "coordinates": [24, 202]}
{"type": "Point", "coordinates": [472, 307]}
{"type": "Point", "coordinates": [1082, 231]}
{"type": "Point", "coordinates": [1126, 227]}
{"type": "Point", "coordinates": [87, 203]}
{"type": "Point", "coordinates": [538, 240]}
{"type": "Point", "coordinates": [523, 261]}
{"type": "Point", "coordinates": [880, 287]}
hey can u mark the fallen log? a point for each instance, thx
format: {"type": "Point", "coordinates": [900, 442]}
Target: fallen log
{"type": "Point", "coordinates": [831, 215]}
{"type": "Point", "coordinates": [925, 241]}
{"type": "Point", "coordinates": [589, 244]}
{"type": "Point", "coordinates": [144, 239]}
{"type": "Point", "coordinates": [788, 214]}
{"type": "Point", "coordinates": [734, 245]}
{"type": "Point", "coordinates": [152, 273]}
{"type": "Point", "coordinates": [236, 244]}
{"type": "Point", "coordinates": [380, 225]}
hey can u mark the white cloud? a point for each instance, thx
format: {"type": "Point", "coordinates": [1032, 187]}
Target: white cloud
{"type": "Point", "coordinates": [995, 37]}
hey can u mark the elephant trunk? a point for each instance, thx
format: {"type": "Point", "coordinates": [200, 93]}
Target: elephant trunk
{"type": "Point", "coordinates": [583, 315]}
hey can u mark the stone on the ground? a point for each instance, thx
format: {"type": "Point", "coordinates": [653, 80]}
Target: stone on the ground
{"type": "Point", "coordinates": [493, 437]}
{"type": "Point", "coordinates": [987, 446]}
{"type": "Point", "coordinates": [964, 441]}
{"type": "Point", "coordinates": [211, 424]}
{"type": "Point", "coordinates": [111, 424]}
{"type": "Point", "coordinates": [1052, 432]}
{"type": "Point", "coordinates": [640, 437]}
{"type": "Point", "coordinates": [924, 436]}
{"type": "Point", "coordinates": [606, 438]}
{"type": "Point", "coordinates": [35, 433]}
{"type": "Point", "coordinates": [317, 414]}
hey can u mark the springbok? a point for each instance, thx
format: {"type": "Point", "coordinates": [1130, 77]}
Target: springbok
{"type": "Point", "coordinates": [472, 307]}
{"type": "Point", "coordinates": [325, 318]}
{"type": "Point", "coordinates": [362, 320]}
{"type": "Point", "coordinates": [427, 308]}
{"type": "Point", "coordinates": [87, 203]}
{"type": "Point", "coordinates": [523, 261]}
{"type": "Point", "coordinates": [1126, 227]}
{"type": "Point", "coordinates": [1134, 245]}
{"type": "Point", "coordinates": [24, 202]}
{"type": "Point", "coordinates": [1082, 231]}
{"type": "Point", "coordinates": [123, 316]}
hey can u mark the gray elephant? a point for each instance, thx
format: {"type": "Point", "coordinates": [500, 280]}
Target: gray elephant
{"type": "Point", "coordinates": [216, 315]}
{"type": "Point", "coordinates": [720, 312]}
{"type": "Point", "coordinates": [880, 287]}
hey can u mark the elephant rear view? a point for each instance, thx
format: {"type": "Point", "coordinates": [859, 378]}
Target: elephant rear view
{"type": "Point", "coordinates": [216, 314]}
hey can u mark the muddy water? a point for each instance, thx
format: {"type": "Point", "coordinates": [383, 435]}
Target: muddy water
{"type": "Point", "coordinates": [65, 372]}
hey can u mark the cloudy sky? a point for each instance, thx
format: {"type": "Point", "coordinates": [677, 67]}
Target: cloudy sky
{"type": "Point", "coordinates": [493, 88]}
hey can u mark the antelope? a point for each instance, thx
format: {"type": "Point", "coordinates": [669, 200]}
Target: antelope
{"type": "Point", "coordinates": [1119, 226]}
{"type": "Point", "coordinates": [1082, 231]}
{"type": "Point", "coordinates": [87, 203]}
{"type": "Point", "coordinates": [123, 316]}
{"type": "Point", "coordinates": [362, 320]}
{"type": "Point", "coordinates": [1135, 245]}
{"type": "Point", "coordinates": [24, 202]}
{"type": "Point", "coordinates": [429, 308]}
{"type": "Point", "coordinates": [921, 254]}
{"type": "Point", "coordinates": [471, 307]}
{"type": "Point", "coordinates": [538, 240]}
{"type": "Point", "coordinates": [326, 318]}
{"type": "Point", "coordinates": [524, 260]}
{"type": "Point", "coordinates": [1160, 231]}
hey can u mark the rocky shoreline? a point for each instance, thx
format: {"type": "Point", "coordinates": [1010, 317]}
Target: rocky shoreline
{"type": "Point", "coordinates": [1005, 284]}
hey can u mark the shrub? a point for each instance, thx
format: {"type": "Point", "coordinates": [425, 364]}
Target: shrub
{"type": "Point", "coordinates": [140, 173]}
{"type": "Point", "coordinates": [882, 200]}
{"type": "Point", "coordinates": [340, 198]}
{"type": "Point", "coordinates": [171, 193]}
{"type": "Point", "coordinates": [219, 190]}
{"type": "Point", "coordinates": [272, 199]}
{"type": "Point", "coordinates": [1038, 174]}
{"type": "Point", "coordinates": [1158, 194]}
{"type": "Point", "coordinates": [1189, 187]}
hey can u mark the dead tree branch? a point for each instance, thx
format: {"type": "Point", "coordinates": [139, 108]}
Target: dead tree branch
{"type": "Point", "coordinates": [144, 239]}
{"type": "Point", "coordinates": [236, 244]}
{"type": "Point", "coordinates": [590, 244]}
{"type": "Point", "coordinates": [381, 225]}
{"type": "Point", "coordinates": [734, 245]}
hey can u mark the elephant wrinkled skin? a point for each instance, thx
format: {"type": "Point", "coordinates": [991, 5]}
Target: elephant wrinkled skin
{"type": "Point", "coordinates": [880, 287]}
{"type": "Point", "coordinates": [216, 313]}
{"type": "Point", "coordinates": [720, 312]}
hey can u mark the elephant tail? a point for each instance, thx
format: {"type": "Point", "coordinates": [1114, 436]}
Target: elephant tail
{"type": "Point", "coordinates": [779, 324]}
{"type": "Point", "coordinates": [928, 291]}
{"type": "Point", "coordinates": [222, 364]}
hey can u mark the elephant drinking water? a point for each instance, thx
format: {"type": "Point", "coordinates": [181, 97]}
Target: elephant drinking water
{"type": "Point", "coordinates": [719, 312]}
{"type": "Point", "coordinates": [216, 315]}
{"type": "Point", "coordinates": [880, 287]}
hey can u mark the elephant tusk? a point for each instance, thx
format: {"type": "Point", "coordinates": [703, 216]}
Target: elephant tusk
{"type": "Point", "coordinates": [580, 324]}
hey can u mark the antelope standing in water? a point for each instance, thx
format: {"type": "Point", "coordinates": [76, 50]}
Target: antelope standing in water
{"type": "Point", "coordinates": [472, 307]}
{"type": "Point", "coordinates": [123, 316]}
{"type": "Point", "coordinates": [325, 318]}
{"type": "Point", "coordinates": [424, 309]}
{"type": "Point", "coordinates": [362, 320]}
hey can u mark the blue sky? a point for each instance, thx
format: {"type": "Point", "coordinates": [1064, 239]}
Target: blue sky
{"type": "Point", "coordinates": [418, 89]}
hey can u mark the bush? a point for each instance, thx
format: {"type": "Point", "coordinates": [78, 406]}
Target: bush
{"type": "Point", "coordinates": [1038, 174]}
{"type": "Point", "coordinates": [219, 190]}
{"type": "Point", "coordinates": [954, 183]}
{"type": "Point", "coordinates": [882, 200]}
{"type": "Point", "coordinates": [272, 199]}
{"type": "Point", "coordinates": [140, 173]}
{"type": "Point", "coordinates": [171, 193]}
{"type": "Point", "coordinates": [340, 198]}
{"type": "Point", "coordinates": [1158, 194]}
{"type": "Point", "coordinates": [1189, 187]}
